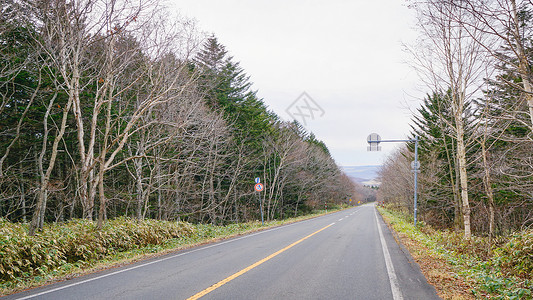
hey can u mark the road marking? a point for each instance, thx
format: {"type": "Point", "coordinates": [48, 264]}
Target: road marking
{"type": "Point", "coordinates": [156, 261]}
{"type": "Point", "coordinates": [395, 287]}
{"type": "Point", "coordinates": [230, 278]}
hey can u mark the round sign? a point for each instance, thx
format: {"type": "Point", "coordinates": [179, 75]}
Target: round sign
{"type": "Point", "coordinates": [373, 138]}
{"type": "Point", "coordinates": [415, 165]}
{"type": "Point", "coordinates": [258, 187]}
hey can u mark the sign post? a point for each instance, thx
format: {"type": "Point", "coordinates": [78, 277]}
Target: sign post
{"type": "Point", "coordinates": [258, 188]}
{"type": "Point", "coordinates": [374, 139]}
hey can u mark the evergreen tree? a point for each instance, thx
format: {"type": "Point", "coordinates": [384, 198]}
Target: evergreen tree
{"type": "Point", "coordinates": [434, 125]}
{"type": "Point", "coordinates": [508, 139]}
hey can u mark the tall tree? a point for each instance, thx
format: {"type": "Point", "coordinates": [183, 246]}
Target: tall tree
{"type": "Point", "coordinates": [448, 57]}
{"type": "Point", "coordinates": [437, 153]}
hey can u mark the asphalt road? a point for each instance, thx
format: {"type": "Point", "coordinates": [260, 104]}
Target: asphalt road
{"type": "Point", "coordinates": [345, 255]}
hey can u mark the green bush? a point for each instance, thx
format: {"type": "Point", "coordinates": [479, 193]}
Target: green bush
{"type": "Point", "coordinates": [516, 256]}
{"type": "Point", "coordinates": [22, 255]}
{"type": "Point", "coordinates": [501, 267]}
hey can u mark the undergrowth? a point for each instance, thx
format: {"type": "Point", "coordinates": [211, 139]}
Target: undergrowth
{"type": "Point", "coordinates": [501, 268]}
{"type": "Point", "coordinates": [76, 242]}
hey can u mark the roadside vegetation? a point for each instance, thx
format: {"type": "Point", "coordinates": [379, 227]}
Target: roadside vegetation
{"type": "Point", "coordinates": [65, 250]}
{"type": "Point", "coordinates": [475, 133]}
{"type": "Point", "coordinates": [475, 268]}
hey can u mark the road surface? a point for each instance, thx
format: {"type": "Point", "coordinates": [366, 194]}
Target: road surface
{"type": "Point", "coordinates": [344, 255]}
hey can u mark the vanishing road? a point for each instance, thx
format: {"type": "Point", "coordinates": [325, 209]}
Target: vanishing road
{"type": "Point", "coordinates": [345, 255]}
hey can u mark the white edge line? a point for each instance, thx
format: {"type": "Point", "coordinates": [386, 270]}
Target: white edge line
{"type": "Point", "coordinates": [395, 287]}
{"type": "Point", "coordinates": [158, 261]}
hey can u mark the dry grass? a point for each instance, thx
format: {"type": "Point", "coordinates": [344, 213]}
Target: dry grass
{"type": "Point", "coordinates": [448, 284]}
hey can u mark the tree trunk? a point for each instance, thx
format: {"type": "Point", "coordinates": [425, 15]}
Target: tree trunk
{"type": "Point", "coordinates": [452, 164]}
{"type": "Point", "coordinates": [523, 63]}
{"type": "Point", "coordinates": [38, 215]}
{"type": "Point", "coordinates": [458, 220]}
{"type": "Point", "coordinates": [139, 187]}
{"type": "Point", "coordinates": [159, 185]}
{"type": "Point", "coordinates": [463, 176]}
{"type": "Point", "coordinates": [103, 202]}
{"type": "Point", "coordinates": [487, 182]}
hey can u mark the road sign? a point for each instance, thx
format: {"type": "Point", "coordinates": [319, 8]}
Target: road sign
{"type": "Point", "coordinates": [373, 140]}
{"type": "Point", "coordinates": [258, 187]}
{"type": "Point", "coordinates": [257, 180]}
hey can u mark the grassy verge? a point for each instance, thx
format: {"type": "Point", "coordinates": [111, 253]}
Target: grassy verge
{"type": "Point", "coordinates": [468, 269]}
{"type": "Point", "coordinates": [75, 248]}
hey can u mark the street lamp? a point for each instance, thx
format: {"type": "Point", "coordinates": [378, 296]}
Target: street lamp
{"type": "Point", "coordinates": [374, 139]}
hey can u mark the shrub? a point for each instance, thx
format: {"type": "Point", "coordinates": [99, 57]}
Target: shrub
{"type": "Point", "coordinates": [478, 247]}
{"type": "Point", "coordinates": [516, 256]}
{"type": "Point", "coordinates": [22, 255]}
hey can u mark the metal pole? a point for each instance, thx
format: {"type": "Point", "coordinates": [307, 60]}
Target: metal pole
{"type": "Point", "coordinates": [374, 138]}
{"type": "Point", "coordinates": [416, 176]}
{"type": "Point", "coordinates": [261, 206]}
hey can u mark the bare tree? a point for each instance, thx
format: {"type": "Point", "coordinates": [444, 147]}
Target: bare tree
{"type": "Point", "coordinates": [508, 25]}
{"type": "Point", "coordinates": [279, 153]}
{"type": "Point", "coordinates": [449, 58]}
{"type": "Point", "coordinates": [397, 183]}
{"type": "Point", "coordinates": [115, 60]}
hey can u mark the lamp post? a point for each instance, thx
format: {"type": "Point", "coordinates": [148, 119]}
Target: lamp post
{"type": "Point", "coordinates": [374, 139]}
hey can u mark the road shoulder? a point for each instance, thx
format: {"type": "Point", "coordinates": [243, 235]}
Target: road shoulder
{"type": "Point", "coordinates": [436, 272]}
{"type": "Point", "coordinates": [411, 276]}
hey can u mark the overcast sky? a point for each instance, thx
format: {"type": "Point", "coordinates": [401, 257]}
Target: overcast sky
{"type": "Point", "coordinates": [345, 54]}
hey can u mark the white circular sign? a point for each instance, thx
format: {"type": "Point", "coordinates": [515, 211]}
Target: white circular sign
{"type": "Point", "coordinates": [373, 138]}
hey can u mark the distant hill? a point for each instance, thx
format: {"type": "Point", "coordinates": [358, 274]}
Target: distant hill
{"type": "Point", "coordinates": [366, 175]}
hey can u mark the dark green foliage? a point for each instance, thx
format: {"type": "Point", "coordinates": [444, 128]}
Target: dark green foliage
{"type": "Point", "coordinates": [227, 88]}
{"type": "Point", "coordinates": [434, 125]}
{"type": "Point", "coordinates": [311, 139]}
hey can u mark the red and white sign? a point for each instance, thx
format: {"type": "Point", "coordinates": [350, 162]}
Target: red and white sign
{"type": "Point", "coordinates": [259, 187]}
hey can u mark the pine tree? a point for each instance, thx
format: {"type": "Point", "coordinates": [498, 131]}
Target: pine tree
{"type": "Point", "coordinates": [434, 125]}
{"type": "Point", "coordinates": [508, 140]}
{"type": "Point", "coordinates": [228, 88]}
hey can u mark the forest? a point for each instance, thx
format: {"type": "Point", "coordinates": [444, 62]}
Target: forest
{"type": "Point", "coordinates": [113, 108]}
{"type": "Point", "coordinates": [475, 124]}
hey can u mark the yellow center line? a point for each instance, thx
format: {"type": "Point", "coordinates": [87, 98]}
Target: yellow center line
{"type": "Point", "coordinates": [230, 278]}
